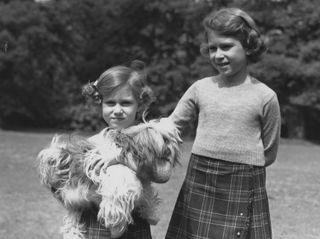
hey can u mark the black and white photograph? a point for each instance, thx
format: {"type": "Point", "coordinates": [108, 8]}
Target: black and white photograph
{"type": "Point", "coordinates": [159, 119]}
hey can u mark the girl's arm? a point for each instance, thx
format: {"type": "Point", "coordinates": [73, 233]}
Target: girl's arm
{"type": "Point", "coordinates": [271, 123]}
{"type": "Point", "coordinates": [186, 109]}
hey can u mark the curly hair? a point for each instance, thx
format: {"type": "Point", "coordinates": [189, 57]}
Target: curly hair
{"type": "Point", "coordinates": [118, 76]}
{"type": "Point", "coordinates": [236, 23]}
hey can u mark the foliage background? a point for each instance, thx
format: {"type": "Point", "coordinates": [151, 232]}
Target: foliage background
{"type": "Point", "coordinates": [50, 49]}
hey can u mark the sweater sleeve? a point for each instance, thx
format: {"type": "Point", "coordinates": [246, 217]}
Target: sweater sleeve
{"type": "Point", "coordinates": [186, 109]}
{"type": "Point", "coordinates": [271, 123]}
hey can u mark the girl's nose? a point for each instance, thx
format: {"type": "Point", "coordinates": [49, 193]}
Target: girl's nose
{"type": "Point", "coordinates": [118, 109]}
{"type": "Point", "coordinates": [218, 54]}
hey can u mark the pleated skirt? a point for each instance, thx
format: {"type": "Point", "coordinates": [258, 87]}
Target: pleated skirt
{"type": "Point", "coordinates": [221, 200]}
{"type": "Point", "coordinates": [140, 229]}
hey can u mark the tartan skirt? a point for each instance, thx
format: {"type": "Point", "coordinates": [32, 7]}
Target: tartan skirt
{"type": "Point", "coordinates": [140, 229]}
{"type": "Point", "coordinates": [221, 200]}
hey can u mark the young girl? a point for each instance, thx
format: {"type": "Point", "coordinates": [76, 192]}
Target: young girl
{"type": "Point", "coordinates": [124, 98]}
{"type": "Point", "coordinates": [224, 193]}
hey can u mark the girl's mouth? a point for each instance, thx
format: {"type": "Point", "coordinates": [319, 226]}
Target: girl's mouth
{"type": "Point", "coordinates": [222, 64]}
{"type": "Point", "coordinates": [118, 118]}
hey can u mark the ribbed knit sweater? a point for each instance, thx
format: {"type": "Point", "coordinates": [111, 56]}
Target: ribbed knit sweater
{"type": "Point", "coordinates": [237, 123]}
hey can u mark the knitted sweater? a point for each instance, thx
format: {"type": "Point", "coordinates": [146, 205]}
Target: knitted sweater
{"type": "Point", "coordinates": [236, 123]}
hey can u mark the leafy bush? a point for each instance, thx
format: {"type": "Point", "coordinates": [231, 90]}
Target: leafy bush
{"type": "Point", "coordinates": [49, 50]}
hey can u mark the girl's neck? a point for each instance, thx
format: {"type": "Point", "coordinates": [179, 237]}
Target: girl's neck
{"type": "Point", "coordinates": [236, 79]}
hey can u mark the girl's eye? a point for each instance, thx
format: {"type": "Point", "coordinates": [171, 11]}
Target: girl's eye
{"type": "Point", "coordinates": [212, 48]}
{"type": "Point", "coordinates": [109, 103]}
{"type": "Point", "coordinates": [126, 103]}
{"type": "Point", "coordinates": [221, 47]}
{"type": "Point", "coordinates": [225, 47]}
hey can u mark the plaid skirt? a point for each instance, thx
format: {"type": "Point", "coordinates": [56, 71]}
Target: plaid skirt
{"type": "Point", "coordinates": [221, 200]}
{"type": "Point", "coordinates": [95, 230]}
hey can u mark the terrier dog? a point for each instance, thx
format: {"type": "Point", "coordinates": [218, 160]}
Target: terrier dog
{"type": "Point", "coordinates": [113, 171]}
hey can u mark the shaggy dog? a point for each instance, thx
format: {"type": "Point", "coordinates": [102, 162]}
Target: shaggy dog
{"type": "Point", "coordinates": [113, 171]}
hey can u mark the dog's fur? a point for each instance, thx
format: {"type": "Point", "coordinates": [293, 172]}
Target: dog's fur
{"type": "Point", "coordinates": [113, 172]}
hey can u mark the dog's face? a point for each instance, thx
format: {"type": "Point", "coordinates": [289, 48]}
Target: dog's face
{"type": "Point", "coordinates": [153, 149]}
{"type": "Point", "coordinates": [159, 153]}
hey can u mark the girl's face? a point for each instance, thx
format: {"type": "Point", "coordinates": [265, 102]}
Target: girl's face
{"type": "Point", "coordinates": [120, 108]}
{"type": "Point", "coordinates": [227, 55]}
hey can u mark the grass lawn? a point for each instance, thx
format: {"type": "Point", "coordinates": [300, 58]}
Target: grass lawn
{"type": "Point", "coordinates": [28, 211]}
